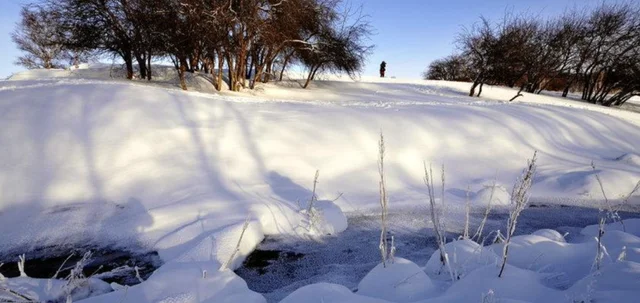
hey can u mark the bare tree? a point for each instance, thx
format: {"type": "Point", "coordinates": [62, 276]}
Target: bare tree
{"type": "Point", "coordinates": [451, 68]}
{"type": "Point", "coordinates": [478, 45]}
{"type": "Point", "coordinates": [597, 52]}
{"type": "Point", "coordinates": [37, 36]}
{"type": "Point", "coordinates": [339, 47]}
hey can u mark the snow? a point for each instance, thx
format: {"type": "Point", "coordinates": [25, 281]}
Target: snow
{"type": "Point", "coordinates": [464, 257]}
{"type": "Point", "coordinates": [88, 158]}
{"type": "Point", "coordinates": [631, 226]}
{"type": "Point", "coordinates": [184, 282]}
{"type": "Point", "coordinates": [498, 195]}
{"type": "Point", "coordinates": [399, 280]}
{"type": "Point", "coordinates": [549, 234]}
{"type": "Point", "coordinates": [516, 284]}
{"type": "Point", "coordinates": [326, 218]}
{"type": "Point", "coordinates": [630, 158]}
{"type": "Point", "coordinates": [615, 283]}
{"type": "Point", "coordinates": [570, 261]}
{"type": "Point", "coordinates": [51, 290]}
{"type": "Point", "coordinates": [327, 293]}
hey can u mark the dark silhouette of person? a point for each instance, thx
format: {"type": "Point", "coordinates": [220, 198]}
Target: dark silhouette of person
{"type": "Point", "coordinates": [383, 68]}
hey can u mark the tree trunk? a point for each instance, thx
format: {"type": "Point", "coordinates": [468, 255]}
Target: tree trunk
{"type": "Point", "coordinates": [128, 61]}
{"type": "Point", "coordinates": [472, 91]}
{"type": "Point", "coordinates": [220, 66]}
{"type": "Point", "coordinates": [195, 60]}
{"type": "Point", "coordinates": [480, 90]}
{"type": "Point", "coordinates": [267, 74]}
{"type": "Point", "coordinates": [149, 66]}
{"type": "Point", "coordinates": [205, 65]}
{"type": "Point", "coordinates": [519, 94]}
{"type": "Point", "coordinates": [475, 84]}
{"type": "Point", "coordinates": [257, 77]}
{"type": "Point", "coordinates": [312, 74]}
{"type": "Point", "coordinates": [565, 92]}
{"type": "Point", "coordinates": [181, 73]}
{"type": "Point", "coordinates": [284, 65]}
{"type": "Point", "coordinates": [233, 82]}
{"type": "Point", "coordinates": [142, 66]}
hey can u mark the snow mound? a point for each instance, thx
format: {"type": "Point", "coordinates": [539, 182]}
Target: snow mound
{"type": "Point", "coordinates": [326, 218]}
{"type": "Point", "coordinates": [550, 234]}
{"type": "Point", "coordinates": [501, 196]}
{"type": "Point", "coordinates": [631, 226]}
{"type": "Point", "coordinates": [615, 283]}
{"type": "Point", "coordinates": [327, 293]}
{"type": "Point", "coordinates": [464, 256]}
{"type": "Point", "coordinates": [400, 281]}
{"type": "Point", "coordinates": [515, 284]}
{"type": "Point", "coordinates": [532, 252]}
{"type": "Point", "coordinates": [629, 158]}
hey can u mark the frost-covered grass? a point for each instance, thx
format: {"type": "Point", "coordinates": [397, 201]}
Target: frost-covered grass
{"type": "Point", "coordinates": [103, 161]}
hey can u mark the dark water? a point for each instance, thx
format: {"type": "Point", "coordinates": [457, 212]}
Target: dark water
{"type": "Point", "coordinates": [109, 264]}
{"type": "Point", "coordinates": [280, 265]}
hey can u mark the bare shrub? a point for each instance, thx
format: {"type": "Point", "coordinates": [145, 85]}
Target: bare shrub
{"type": "Point", "coordinates": [438, 226]}
{"type": "Point", "coordinates": [384, 204]}
{"type": "Point", "coordinates": [519, 200]}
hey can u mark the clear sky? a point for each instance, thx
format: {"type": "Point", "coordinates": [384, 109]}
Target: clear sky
{"type": "Point", "coordinates": [410, 33]}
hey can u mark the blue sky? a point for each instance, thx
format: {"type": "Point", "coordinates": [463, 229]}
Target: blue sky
{"type": "Point", "coordinates": [410, 33]}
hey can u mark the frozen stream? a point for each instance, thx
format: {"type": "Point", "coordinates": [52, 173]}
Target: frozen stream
{"type": "Point", "coordinates": [280, 265]}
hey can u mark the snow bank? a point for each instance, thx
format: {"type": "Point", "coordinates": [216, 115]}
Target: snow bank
{"type": "Point", "coordinates": [400, 281]}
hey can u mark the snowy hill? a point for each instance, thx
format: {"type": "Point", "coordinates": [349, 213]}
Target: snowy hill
{"type": "Point", "coordinates": [95, 160]}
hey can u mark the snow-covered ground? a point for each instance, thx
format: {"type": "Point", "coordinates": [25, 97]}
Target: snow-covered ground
{"type": "Point", "coordinates": [88, 159]}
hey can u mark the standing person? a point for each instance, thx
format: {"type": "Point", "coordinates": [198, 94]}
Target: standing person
{"type": "Point", "coordinates": [383, 68]}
